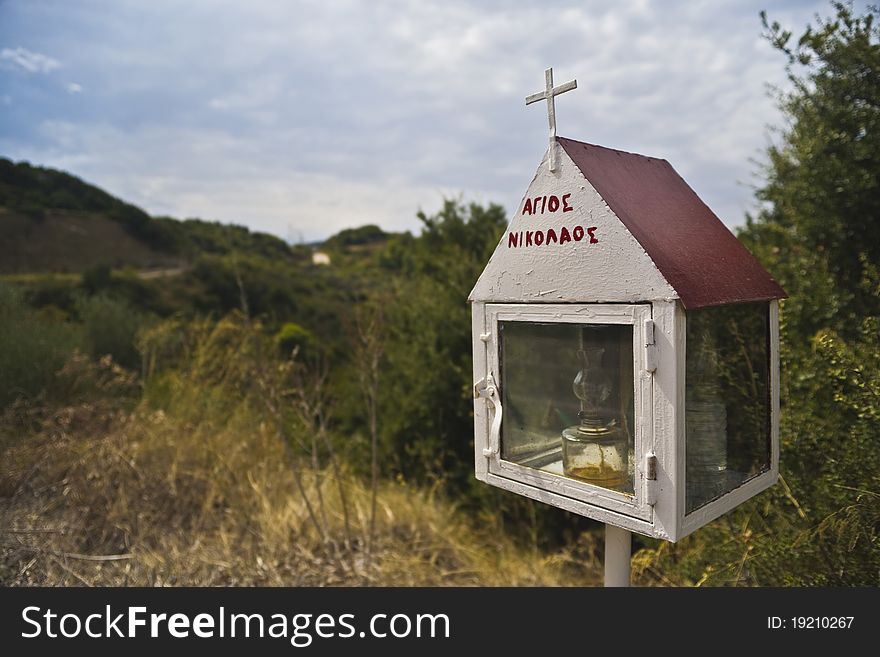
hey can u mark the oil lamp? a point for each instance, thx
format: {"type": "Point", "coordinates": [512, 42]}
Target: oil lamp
{"type": "Point", "coordinates": [596, 450]}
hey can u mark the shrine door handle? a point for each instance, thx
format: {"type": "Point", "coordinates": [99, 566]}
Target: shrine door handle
{"type": "Point", "coordinates": [487, 390]}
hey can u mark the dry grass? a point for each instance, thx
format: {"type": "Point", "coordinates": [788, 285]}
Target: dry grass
{"type": "Point", "coordinates": [100, 496]}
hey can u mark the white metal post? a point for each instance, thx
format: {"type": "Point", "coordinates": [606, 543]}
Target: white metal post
{"type": "Point", "coordinates": [618, 550]}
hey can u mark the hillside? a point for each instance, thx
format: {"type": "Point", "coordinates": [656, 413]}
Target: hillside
{"type": "Point", "coordinates": [61, 238]}
{"type": "Point", "coordinates": [72, 241]}
{"type": "Point", "coordinates": [52, 221]}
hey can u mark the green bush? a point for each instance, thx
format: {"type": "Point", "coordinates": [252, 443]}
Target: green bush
{"type": "Point", "coordinates": [96, 278]}
{"type": "Point", "coordinates": [368, 234]}
{"type": "Point", "coordinates": [110, 326]}
{"type": "Point", "coordinates": [292, 336]}
{"type": "Point", "coordinates": [33, 347]}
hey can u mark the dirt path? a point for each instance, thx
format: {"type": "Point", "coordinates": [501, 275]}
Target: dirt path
{"type": "Point", "coordinates": [161, 273]}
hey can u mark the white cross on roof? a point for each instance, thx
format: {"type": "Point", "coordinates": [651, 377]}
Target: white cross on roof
{"type": "Point", "coordinates": [549, 93]}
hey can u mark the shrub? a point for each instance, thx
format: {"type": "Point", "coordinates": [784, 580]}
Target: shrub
{"type": "Point", "coordinates": [292, 336]}
{"type": "Point", "coordinates": [33, 347]}
{"type": "Point", "coordinates": [110, 326]}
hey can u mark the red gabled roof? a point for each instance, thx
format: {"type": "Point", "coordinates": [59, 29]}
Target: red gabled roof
{"type": "Point", "coordinates": [696, 253]}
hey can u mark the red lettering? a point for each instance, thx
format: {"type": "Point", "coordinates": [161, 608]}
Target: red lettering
{"type": "Point", "coordinates": [565, 206]}
{"type": "Point", "coordinates": [543, 204]}
{"type": "Point", "coordinates": [550, 236]}
{"type": "Point", "coordinates": [527, 208]}
{"type": "Point", "coordinates": [553, 204]}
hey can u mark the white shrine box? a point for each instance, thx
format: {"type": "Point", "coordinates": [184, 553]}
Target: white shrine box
{"type": "Point", "coordinates": [626, 350]}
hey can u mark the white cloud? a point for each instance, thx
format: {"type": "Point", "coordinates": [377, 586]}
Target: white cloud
{"type": "Point", "coordinates": [263, 113]}
{"type": "Point", "coordinates": [190, 173]}
{"type": "Point", "coordinates": [74, 88]}
{"type": "Point", "coordinates": [31, 62]}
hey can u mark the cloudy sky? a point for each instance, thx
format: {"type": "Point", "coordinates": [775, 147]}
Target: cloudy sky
{"type": "Point", "coordinates": [302, 118]}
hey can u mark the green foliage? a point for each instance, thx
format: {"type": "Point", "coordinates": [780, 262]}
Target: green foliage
{"type": "Point", "coordinates": [823, 226]}
{"type": "Point", "coordinates": [33, 346]}
{"type": "Point", "coordinates": [292, 337]}
{"type": "Point", "coordinates": [367, 234]}
{"type": "Point", "coordinates": [22, 184]}
{"type": "Point", "coordinates": [820, 236]}
{"type": "Point", "coordinates": [51, 292]}
{"type": "Point", "coordinates": [110, 326]}
{"type": "Point", "coordinates": [96, 278]}
{"type": "Point", "coordinates": [823, 188]}
{"type": "Point", "coordinates": [195, 236]}
{"type": "Point", "coordinates": [426, 389]}
{"type": "Point", "coordinates": [274, 290]}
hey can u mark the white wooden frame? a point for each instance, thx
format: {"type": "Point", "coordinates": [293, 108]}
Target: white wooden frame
{"type": "Point", "coordinates": [580, 497]}
{"type": "Point", "coordinates": [661, 427]}
{"type": "Point", "coordinates": [621, 314]}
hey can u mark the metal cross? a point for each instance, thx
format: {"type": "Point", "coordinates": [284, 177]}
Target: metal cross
{"type": "Point", "coordinates": [549, 93]}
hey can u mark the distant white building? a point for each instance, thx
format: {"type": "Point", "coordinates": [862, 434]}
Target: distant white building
{"type": "Point", "coordinates": [320, 258]}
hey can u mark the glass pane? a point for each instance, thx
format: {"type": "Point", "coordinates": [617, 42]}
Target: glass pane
{"type": "Point", "coordinates": [567, 394]}
{"type": "Point", "coordinates": [727, 399]}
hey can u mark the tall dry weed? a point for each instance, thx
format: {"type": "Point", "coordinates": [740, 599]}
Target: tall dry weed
{"type": "Point", "coordinates": [224, 473]}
